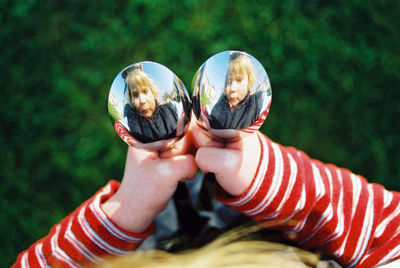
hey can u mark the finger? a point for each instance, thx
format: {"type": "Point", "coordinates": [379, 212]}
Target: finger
{"type": "Point", "coordinates": [218, 160]}
{"type": "Point", "coordinates": [202, 139]}
{"type": "Point", "coordinates": [136, 156]}
{"type": "Point", "coordinates": [183, 146]}
{"type": "Point", "coordinates": [181, 167]}
{"type": "Point", "coordinates": [245, 141]}
{"type": "Point", "coordinates": [229, 167]}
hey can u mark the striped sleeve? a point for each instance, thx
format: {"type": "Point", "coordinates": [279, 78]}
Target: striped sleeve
{"type": "Point", "coordinates": [321, 207]}
{"type": "Point", "coordinates": [85, 236]}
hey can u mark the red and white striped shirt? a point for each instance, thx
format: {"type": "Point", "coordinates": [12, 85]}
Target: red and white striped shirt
{"type": "Point", "coordinates": [85, 236]}
{"type": "Point", "coordinates": [319, 206]}
{"type": "Point", "coordinates": [322, 207]}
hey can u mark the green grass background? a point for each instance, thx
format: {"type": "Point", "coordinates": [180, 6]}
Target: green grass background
{"type": "Point", "coordinates": [334, 69]}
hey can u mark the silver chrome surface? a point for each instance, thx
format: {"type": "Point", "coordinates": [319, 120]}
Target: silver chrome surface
{"type": "Point", "coordinates": [149, 106]}
{"type": "Point", "coordinates": [231, 93]}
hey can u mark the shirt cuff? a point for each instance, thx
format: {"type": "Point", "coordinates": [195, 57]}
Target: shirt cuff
{"type": "Point", "coordinates": [106, 231]}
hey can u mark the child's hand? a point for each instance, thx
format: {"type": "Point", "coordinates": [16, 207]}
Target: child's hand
{"type": "Point", "coordinates": [234, 164]}
{"type": "Point", "coordinates": [149, 181]}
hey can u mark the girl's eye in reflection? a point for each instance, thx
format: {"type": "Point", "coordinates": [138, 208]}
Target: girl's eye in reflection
{"type": "Point", "coordinates": [239, 79]}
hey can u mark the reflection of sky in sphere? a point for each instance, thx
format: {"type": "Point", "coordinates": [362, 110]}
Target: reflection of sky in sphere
{"type": "Point", "coordinates": [217, 67]}
{"type": "Point", "coordinates": [215, 70]}
{"type": "Point", "coordinates": [159, 74]}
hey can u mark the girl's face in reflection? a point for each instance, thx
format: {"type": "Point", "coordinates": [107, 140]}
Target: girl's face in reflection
{"type": "Point", "coordinates": [236, 88]}
{"type": "Point", "coordinates": [144, 101]}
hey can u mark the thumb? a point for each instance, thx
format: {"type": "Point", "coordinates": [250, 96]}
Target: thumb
{"type": "Point", "coordinates": [227, 165]}
{"type": "Point", "coordinates": [218, 160]}
{"type": "Point", "coordinates": [181, 167]}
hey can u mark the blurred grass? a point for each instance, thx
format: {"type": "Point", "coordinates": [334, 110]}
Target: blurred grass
{"type": "Point", "coordinates": [112, 111]}
{"type": "Point", "coordinates": [333, 67]}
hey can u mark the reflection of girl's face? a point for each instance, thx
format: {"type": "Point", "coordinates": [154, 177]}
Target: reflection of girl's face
{"type": "Point", "coordinates": [144, 101]}
{"type": "Point", "coordinates": [236, 88]}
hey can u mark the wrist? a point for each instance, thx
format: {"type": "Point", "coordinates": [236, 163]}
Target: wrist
{"type": "Point", "coordinates": [126, 215]}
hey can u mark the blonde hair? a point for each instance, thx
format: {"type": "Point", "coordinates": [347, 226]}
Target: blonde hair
{"type": "Point", "coordinates": [230, 250]}
{"type": "Point", "coordinates": [138, 79]}
{"type": "Point", "coordinates": [241, 64]}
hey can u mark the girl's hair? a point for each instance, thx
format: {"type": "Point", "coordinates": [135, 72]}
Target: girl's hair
{"type": "Point", "coordinates": [237, 248]}
{"type": "Point", "coordinates": [240, 63]}
{"type": "Point", "coordinates": [136, 79]}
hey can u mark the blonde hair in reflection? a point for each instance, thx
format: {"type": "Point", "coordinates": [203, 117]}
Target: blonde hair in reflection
{"type": "Point", "coordinates": [230, 250]}
{"type": "Point", "coordinates": [136, 81]}
{"type": "Point", "coordinates": [241, 65]}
